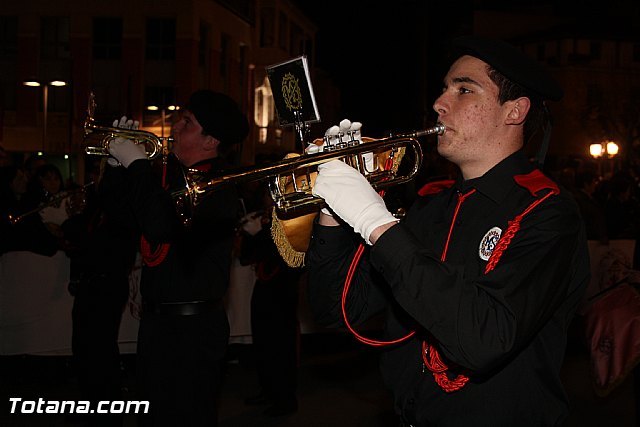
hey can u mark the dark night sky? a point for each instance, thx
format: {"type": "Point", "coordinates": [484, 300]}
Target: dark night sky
{"type": "Point", "coordinates": [366, 46]}
{"type": "Point", "coordinates": [374, 54]}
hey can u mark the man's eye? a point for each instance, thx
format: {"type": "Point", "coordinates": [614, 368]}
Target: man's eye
{"type": "Point", "coordinates": [464, 90]}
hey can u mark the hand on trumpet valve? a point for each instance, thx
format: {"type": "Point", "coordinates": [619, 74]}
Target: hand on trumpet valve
{"type": "Point", "coordinates": [350, 196]}
{"type": "Point", "coordinates": [336, 136]}
{"type": "Point", "coordinates": [124, 150]}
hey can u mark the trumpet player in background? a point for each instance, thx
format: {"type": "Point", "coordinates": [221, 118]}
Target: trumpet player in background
{"type": "Point", "coordinates": [101, 245]}
{"type": "Point", "coordinates": [481, 279]}
{"type": "Point", "coordinates": [183, 328]}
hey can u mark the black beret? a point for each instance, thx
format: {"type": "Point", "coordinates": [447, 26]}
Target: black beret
{"type": "Point", "coordinates": [512, 63]}
{"type": "Point", "coordinates": [219, 116]}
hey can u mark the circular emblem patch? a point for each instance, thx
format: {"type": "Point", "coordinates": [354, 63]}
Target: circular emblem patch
{"type": "Point", "coordinates": [489, 242]}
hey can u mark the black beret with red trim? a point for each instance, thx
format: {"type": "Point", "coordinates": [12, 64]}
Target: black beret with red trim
{"type": "Point", "coordinates": [510, 62]}
{"type": "Point", "coordinates": [219, 116]}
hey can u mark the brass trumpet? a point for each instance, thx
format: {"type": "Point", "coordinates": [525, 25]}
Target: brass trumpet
{"type": "Point", "coordinates": [291, 179]}
{"type": "Point", "coordinates": [98, 138]}
{"type": "Point", "coordinates": [55, 200]}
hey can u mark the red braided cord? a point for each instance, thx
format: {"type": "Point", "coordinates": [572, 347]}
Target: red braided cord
{"type": "Point", "coordinates": [149, 257]}
{"type": "Point", "coordinates": [347, 285]}
{"type": "Point", "coordinates": [153, 258]}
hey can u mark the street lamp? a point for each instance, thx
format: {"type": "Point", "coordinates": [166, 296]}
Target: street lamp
{"type": "Point", "coordinates": [163, 114]}
{"type": "Point", "coordinates": [45, 102]}
{"type": "Point", "coordinates": [604, 150]}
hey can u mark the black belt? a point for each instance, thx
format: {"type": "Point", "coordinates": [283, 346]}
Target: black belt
{"type": "Point", "coordinates": [181, 308]}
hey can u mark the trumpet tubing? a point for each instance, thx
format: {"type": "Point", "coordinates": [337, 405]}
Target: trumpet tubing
{"type": "Point", "coordinates": [98, 138]}
{"type": "Point", "coordinates": [54, 201]}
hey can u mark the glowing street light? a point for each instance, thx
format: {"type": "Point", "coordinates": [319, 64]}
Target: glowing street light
{"type": "Point", "coordinates": [596, 150]}
{"type": "Point", "coordinates": [163, 114]}
{"type": "Point", "coordinates": [45, 102]}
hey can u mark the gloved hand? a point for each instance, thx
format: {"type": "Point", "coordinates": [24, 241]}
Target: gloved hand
{"type": "Point", "coordinates": [346, 126]}
{"type": "Point", "coordinates": [351, 197]}
{"type": "Point", "coordinates": [252, 223]}
{"type": "Point", "coordinates": [124, 150]}
{"type": "Point", "coordinates": [55, 214]}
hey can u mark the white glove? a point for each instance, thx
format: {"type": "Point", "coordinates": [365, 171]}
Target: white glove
{"type": "Point", "coordinates": [252, 223]}
{"type": "Point", "coordinates": [351, 197]}
{"type": "Point", "coordinates": [124, 150]}
{"type": "Point", "coordinates": [55, 215]}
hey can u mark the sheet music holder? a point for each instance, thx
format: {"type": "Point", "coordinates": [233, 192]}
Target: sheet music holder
{"type": "Point", "coordinates": [293, 94]}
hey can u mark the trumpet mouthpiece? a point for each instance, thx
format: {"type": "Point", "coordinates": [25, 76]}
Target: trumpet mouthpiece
{"type": "Point", "coordinates": [438, 129]}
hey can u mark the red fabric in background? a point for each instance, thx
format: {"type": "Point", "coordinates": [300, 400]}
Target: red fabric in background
{"type": "Point", "coordinates": [613, 334]}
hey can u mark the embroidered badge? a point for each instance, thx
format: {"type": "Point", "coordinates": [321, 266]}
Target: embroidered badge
{"type": "Point", "coordinates": [489, 242]}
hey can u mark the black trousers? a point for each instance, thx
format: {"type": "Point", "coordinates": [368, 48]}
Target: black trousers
{"type": "Point", "coordinates": [275, 330]}
{"type": "Point", "coordinates": [179, 367]}
{"type": "Point", "coordinates": [97, 312]}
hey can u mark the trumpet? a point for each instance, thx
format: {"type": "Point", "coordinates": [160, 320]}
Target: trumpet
{"type": "Point", "coordinates": [291, 179]}
{"type": "Point", "coordinates": [98, 138]}
{"type": "Point", "coordinates": [55, 200]}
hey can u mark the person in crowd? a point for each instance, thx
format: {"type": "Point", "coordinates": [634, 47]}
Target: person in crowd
{"type": "Point", "coordinates": [592, 211]}
{"type": "Point", "coordinates": [622, 209]}
{"type": "Point", "coordinates": [482, 278]}
{"type": "Point", "coordinates": [101, 244]}
{"type": "Point", "coordinates": [23, 229]}
{"type": "Point", "coordinates": [274, 314]}
{"type": "Point", "coordinates": [184, 330]}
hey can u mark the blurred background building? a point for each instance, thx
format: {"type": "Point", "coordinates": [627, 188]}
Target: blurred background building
{"type": "Point", "coordinates": [379, 64]}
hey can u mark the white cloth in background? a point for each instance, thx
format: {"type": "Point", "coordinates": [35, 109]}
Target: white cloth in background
{"type": "Point", "coordinates": [238, 302]}
{"type": "Point", "coordinates": [35, 306]}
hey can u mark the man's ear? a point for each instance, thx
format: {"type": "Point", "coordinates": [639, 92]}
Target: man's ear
{"type": "Point", "coordinates": [517, 110]}
{"type": "Point", "coordinates": [211, 143]}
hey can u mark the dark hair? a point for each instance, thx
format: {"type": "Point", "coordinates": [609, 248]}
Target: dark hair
{"type": "Point", "coordinates": [47, 169]}
{"type": "Point", "coordinates": [509, 90]}
{"type": "Point", "coordinates": [7, 175]}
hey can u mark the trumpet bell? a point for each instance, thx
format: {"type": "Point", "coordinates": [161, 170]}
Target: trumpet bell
{"type": "Point", "coordinates": [98, 138]}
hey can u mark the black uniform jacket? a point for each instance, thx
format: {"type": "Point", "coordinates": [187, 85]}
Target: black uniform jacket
{"type": "Point", "coordinates": [197, 264]}
{"type": "Point", "coordinates": [506, 329]}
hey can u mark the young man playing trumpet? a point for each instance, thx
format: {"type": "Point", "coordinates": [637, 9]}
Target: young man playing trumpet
{"type": "Point", "coordinates": [184, 329]}
{"type": "Point", "coordinates": [481, 279]}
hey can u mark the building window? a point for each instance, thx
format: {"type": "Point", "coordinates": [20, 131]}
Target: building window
{"type": "Point", "coordinates": [203, 45]}
{"type": "Point", "coordinates": [242, 72]}
{"type": "Point", "coordinates": [267, 27]}
{"type": "Point", "coordinates": [107, 38]}
{"type": "Point", "coordinates": [8, 37]}
{"type": "Point", "coordinates": [264, 111]}
{"type": "Point", "coordinates": [225, 54]}
{"type": "Point", "coordinates": [594, 95]}
{"type": "Point", "coordinates": [297, 45]}
{"type": "Point", "coordinates": [283, 27]}
{"type": "Point", "coordinates": [54, 37]}
{"type": "Point", "coordinates": [161, 38]}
